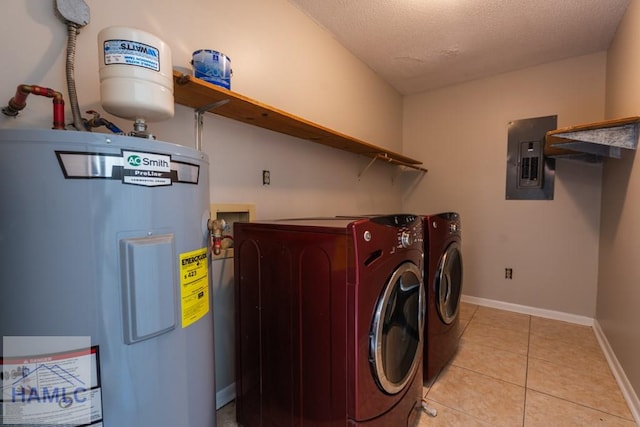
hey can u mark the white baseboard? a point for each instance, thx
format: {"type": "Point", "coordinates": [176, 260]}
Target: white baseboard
{"type": "Point", "coordinates": [621, 378]}
{"type": "Point", "coordinates": [225, 395]}
{"type": "Point", "coordinates": [623, 382]}
{"type": "Point", "coordinates": [533, 311]}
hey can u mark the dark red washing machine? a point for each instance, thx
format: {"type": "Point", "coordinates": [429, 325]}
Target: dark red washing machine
{"type": "Point", "coordinates": [443, 283]}
{"type": "Point", "coordinates": [329, 321]}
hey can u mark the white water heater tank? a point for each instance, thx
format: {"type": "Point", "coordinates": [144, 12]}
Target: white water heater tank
{"type": "Point", "coordinates": [136, 77]}
{"type": "Point", "coordinates": [104, 240]}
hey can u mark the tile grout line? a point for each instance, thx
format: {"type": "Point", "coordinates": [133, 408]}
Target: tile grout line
{"type": "Point", "coordinates": [582, 405]}
{"type": "Point", "coordinates": [526, 375]}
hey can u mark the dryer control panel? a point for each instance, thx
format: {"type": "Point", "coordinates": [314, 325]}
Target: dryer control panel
{"type": "Point", "coordinates": [450, 220]}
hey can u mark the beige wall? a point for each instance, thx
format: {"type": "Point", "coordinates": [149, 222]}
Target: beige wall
{"type": "Point", "coordinates": [618, 303]}
{"type": "Point", "coordinates": [461, 133]}
{"type": "Point", "coordinates": [279, 57]}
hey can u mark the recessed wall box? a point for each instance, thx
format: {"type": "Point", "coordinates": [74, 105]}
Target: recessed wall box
{"type": "Point", "coordinates": [230, 213]}
{"type": "Point", "coordinates": [530, 175]}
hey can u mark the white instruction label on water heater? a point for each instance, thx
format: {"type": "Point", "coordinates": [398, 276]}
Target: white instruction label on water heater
{"type": "Point", "coordinates": [54, 388]}
{"type": "Point", "coordinates": [128, 52]}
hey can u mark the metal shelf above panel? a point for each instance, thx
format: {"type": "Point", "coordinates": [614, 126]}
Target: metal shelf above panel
{"type": "Point", "coordinates": [594, 141]}
{"type": "Point", "coordinates": [205, 97]}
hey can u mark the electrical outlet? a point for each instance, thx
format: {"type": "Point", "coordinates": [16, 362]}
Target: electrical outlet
{"type": "Point", "coordinates": [266, 177]}
{"type": "Point", "coordinates": [508, 273]}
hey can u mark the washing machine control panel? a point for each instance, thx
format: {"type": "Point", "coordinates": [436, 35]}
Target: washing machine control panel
{"type": "Point", "coordinates": [406, 239]}
{"type": "Point", "coordinates": [407, 229]}
{"type": "Point", "coordinates": [400, 220]}
{"type": "Point", "coordinates": [410, 236]}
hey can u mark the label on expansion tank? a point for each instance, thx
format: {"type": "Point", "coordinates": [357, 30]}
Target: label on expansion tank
{"type": "Point", "coordinates": [131, 167]}
{"type": "Point", "coordinates": [128, 52]}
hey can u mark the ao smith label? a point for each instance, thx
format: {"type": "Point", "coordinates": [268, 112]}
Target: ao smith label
{"type": "Point", "coordinates": [149, 169]}
{"type": "Point", "coordinates": [146, 161]}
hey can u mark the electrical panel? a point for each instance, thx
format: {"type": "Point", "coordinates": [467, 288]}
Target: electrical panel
{"type": "Point", "coordinates": [530, 176]}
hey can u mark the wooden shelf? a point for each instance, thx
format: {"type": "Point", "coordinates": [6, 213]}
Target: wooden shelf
{"type": "Point", "coordinates": [201, 95]}
{"type": "Point", "coordinates": [594, 140]}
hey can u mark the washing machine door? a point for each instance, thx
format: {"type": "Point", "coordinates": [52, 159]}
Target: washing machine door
{"type": "Point", "coordinates": [448, 283]}
{"type": "Point", "coordinates": [397, 329]}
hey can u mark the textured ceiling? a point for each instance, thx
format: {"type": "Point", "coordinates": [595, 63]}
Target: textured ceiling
{"type": "Point", "coordinates": [418, 45]}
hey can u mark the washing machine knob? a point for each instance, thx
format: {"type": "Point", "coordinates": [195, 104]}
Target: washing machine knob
{"type": "Point", "coordinates": [406, 239]}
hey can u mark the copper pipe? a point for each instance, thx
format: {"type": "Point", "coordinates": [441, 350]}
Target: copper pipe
{"type": "Point", "coordinates": [19, 101]}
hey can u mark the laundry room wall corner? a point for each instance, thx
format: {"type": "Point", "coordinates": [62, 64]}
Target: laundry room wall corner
{"type": "Point", "coordinates": [461, 133]}
{"type": "Point", "coordinates": [618, 299]}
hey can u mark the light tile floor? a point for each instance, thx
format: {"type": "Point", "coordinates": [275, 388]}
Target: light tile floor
{"type": "Point", "coordinates": [513, 369]}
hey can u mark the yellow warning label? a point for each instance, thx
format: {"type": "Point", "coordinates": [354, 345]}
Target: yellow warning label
{"type": "Point", "coordinates": [194, 285]}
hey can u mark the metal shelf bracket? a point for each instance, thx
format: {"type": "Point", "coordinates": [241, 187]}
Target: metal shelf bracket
{"type": "Point", "coordinates": [199, 117]}
{"type": "Point", "coordinates": [392, 161]}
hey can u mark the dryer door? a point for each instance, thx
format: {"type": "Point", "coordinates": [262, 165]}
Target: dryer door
{"type": "Point", "coordinates": [448, 283]}
{"type": "Point", "coordinates": [396, 333]}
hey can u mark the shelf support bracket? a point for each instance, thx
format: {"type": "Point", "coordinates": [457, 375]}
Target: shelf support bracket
{"type": "Point", "coordinates": [409, 168]}
{"type": "Point", "coordinates": [366, 168]}
{"type": "Point", "coordinates": [199, 116]}
{"type": "Point", "coordinates": [392, 161]}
